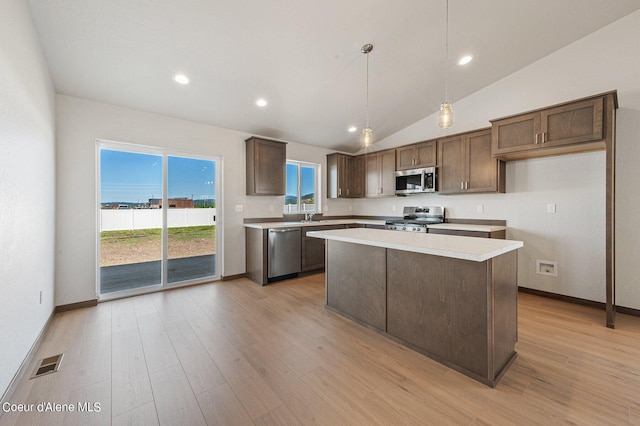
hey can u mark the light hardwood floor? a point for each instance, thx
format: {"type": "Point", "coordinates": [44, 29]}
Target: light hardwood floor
{"type": "Point", "coordinates": [240, 354]}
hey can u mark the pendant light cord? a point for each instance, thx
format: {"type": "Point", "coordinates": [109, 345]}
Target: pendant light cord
{"type": "Point", "coordinates": [367, 121]}
{"type": "Point", "coordinates": [446, 56]}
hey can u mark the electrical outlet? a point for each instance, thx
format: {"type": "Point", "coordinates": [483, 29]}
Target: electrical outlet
{"type": "Point", "coordinates": [547, 267]}
{"type": "Point", "coordinates": [551, 208]}
{"type": "Point", "coordinates": [239, 208]}
{"type": "Point", "coordinates": [480, 208]}
{"type": "Point", "coordinates": [393, 208]}
{"type": "Point", "coordinates": [350, 208]}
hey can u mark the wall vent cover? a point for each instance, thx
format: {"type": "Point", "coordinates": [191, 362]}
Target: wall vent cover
{"type": "Point", "coordinates": [47, 366]}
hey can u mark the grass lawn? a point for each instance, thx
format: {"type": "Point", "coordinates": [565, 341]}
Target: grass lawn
{"type": "Point", "coordinates": [137, 235]}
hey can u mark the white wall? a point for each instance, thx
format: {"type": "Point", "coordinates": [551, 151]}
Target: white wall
{"type": "Point", "coordinates": [81, 122]}
{"type": "Point", "coordinates": [575, 235]}
{"type": "Point", "coordinates": [27, 176]}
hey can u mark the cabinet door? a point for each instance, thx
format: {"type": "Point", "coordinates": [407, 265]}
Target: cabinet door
{"type": "Point", "coordinates": [451, 168]}
{"type": "Point", "coordinates": [266, 167]}
{"type": "Point", "coordinates": [482, 167]}
{"type": "Point", "coordinates": [405, 158]}
{"type": "Point", "coordinates": [372, 175]}
{"type": "Point", "coordinates": [355, 177]}
{"type": "Point", "coordinates": [426, 154]}
{"type": "Point", "coordinates": [514, 134]}
{"type": "Point", "coordinates": [573, 123]}
{"type": "Point", "coordinates": [313, 248]}
{"type": "Point", "coordinates": [387, 162]}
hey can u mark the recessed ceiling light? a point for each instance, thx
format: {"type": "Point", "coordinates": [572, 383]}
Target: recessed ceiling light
{"type": "Point", "coordinates": [352, 129]}
{"type": "Point", "coordinates": [181, 78]}
{"type": "Point", "coordinates": [261, 102]}
{"type": "Point", "coordinates": [465, 60]}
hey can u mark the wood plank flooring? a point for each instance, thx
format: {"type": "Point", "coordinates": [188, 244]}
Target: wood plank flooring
{"type": "Point", "coordinates": [235, 353]}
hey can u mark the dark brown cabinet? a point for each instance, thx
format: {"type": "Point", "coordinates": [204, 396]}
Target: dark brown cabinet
{"type": "Point", "coordinates": [422, 154]}
{"type": "Point", "coordinates": [575, 126]}
{"type": "Point", "coordinates": [266, 167]}
{"type": "Point", "coordinates": [345, 176]}
{"type": "Point", "coordinates": [379, 171]}
{"type": "Point", "coordinates": [313, 248]}
{"type": "Point", "coordinates": [465, 164]}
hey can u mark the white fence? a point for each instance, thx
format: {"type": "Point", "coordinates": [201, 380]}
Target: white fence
{"type": "Point", "coordinates": [129, 219]}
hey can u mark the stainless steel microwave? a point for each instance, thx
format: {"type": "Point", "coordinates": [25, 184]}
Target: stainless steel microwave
{"type": "Point", "coordinates": [416, 181]}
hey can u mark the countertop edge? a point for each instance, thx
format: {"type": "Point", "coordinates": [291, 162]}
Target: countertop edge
{"type": "Point", "coordinates": [456, 254]}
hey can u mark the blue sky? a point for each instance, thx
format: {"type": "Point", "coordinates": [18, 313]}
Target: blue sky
{"type": "Point", "coordinates": [134, 177]}
{"type": "Point", "coordinates": [308, 180]}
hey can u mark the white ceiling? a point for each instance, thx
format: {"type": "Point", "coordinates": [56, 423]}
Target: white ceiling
{"type": "Point", "coordinates": [303, 56]}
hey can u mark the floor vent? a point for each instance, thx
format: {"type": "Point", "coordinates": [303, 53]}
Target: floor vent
{"type": "Point", "coordinates": [47, 366]}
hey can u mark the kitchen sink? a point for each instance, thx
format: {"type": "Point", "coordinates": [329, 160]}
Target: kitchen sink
{"type": "Point", "coordinates": [307, 222]}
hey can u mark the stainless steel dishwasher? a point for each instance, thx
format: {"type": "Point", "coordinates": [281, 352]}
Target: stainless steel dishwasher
{"type": "Point", "coordinates": [284, 252]}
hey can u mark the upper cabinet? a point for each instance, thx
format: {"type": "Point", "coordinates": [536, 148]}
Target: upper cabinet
{"type": "Point", "coordinates": [266, 167]}
{"type": "Point", "coordinates": [380, 174]}
{"type": "Point", "coordinates": [422, 154]}
{"type": "Point", "coordinates": [465, 164]}
{"type": "Point", "coordinates": [345, 176]}
{"type": "Point", "coordinates": [571, 127]}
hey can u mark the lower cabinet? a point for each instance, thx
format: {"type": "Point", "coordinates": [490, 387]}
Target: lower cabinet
{"type": "Point", "coordinates": [313, 248]}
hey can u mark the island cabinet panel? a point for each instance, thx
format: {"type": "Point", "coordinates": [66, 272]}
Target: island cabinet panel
{"type": "Point", "coordinates": [441, 307]}
{"type": "Point", "coordinates": [504, 272]}
{"type": "Point", "coordinates": [357, 289]}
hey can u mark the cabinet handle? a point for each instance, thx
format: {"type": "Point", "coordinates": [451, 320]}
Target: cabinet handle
{"type": "Point", "coordinates": [347, 191]}
{"type": "Point", "coordinates": [339, 192]}
{"type": "Point", "coordinates": [543, 137]}
{"type": "Point", "coordinates": [461, 185]}
{"type": "Point", "coordinates": [537, 134]}
{"type": "Point", "coordinates": [466, 184]}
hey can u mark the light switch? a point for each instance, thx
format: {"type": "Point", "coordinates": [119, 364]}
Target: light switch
{"type": "Point", "coordinates": [480, 208]}
{"type": "Point", "coordinates": [551, 208]}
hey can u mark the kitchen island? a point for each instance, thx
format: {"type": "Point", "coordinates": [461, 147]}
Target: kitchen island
{"type": "Point", "coordinates": [452, 298]}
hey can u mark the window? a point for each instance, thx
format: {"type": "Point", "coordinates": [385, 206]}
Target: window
{"type": "Point", "coordinates": [302, 188]}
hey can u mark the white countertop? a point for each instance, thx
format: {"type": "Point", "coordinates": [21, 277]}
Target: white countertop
{"type": "Point", "coordinates": [467, 248]}
{"type": "Point", "coordinates": [323, 222]}
{"type": "Point", "coordinates": [468, 227]}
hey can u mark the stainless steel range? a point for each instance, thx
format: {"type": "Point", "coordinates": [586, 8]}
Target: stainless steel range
{"type": "Point", "coordinates": [416, 219]}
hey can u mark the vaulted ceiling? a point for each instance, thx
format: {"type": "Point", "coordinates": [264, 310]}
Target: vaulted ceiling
{"type": "Point", "coordinates": [302, 56]}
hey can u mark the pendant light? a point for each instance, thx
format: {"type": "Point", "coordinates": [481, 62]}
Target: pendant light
{"type": "Point", "coordinates": [367, 133]}
{"type": "Point", "coordinates": [445, 118]}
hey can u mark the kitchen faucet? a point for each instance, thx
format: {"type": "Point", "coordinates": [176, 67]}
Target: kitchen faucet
{"type": "Point", "coordinates": [308, 217]}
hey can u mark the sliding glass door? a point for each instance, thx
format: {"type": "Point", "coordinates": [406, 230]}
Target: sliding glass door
{"type": "Point", "coordinates": [157, 219]}
{"type": "Point", "coordinates": [191, 219]}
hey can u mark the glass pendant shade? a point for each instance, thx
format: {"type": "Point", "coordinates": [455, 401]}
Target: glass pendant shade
{"type": "Point", "coordinates": [446, 115]}
{"type": "Point", "coordinates": [367, 137]}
